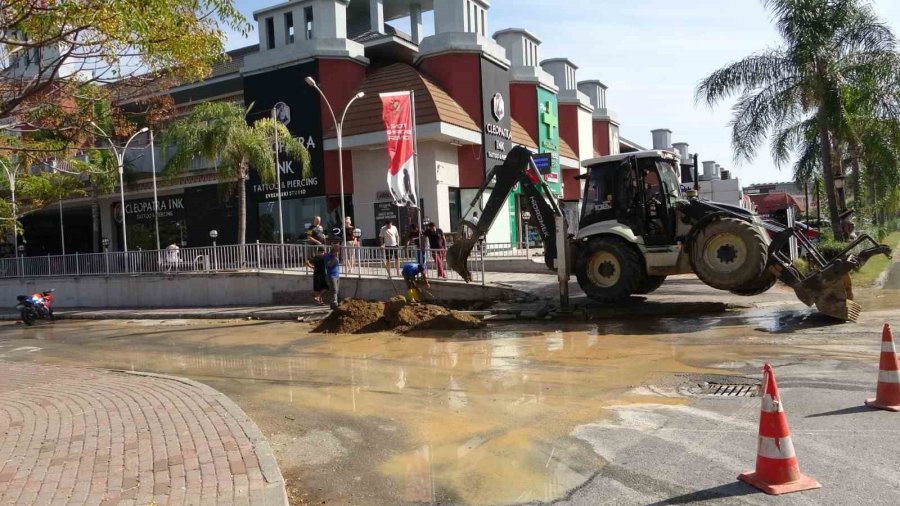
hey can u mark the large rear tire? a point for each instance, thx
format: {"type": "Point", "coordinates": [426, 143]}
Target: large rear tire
{"type": "Point", "coordinates": [760, 285]}
{"type": "Point", "coordinates": [650, 284]}
{"type": "Point", "coordinates": [608, 269]}
{"type": "Point", "coordinates": [729, 254]}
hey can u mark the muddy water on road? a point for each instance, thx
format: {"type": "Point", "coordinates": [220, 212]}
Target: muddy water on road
{"type": "Point", "coordinates": [477, 417]}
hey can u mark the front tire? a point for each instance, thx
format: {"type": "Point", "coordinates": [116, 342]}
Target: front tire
{"type": "Point", "coordinates": [760, 285]}
{"type": "Point", "coordinates": [28, 316]}
{"type": "Point", "coordinates": [650, 284]}
{"type": "Point", "coordinates": [609, 269]}
{"type": "Point", "coordinates": [729, 254]}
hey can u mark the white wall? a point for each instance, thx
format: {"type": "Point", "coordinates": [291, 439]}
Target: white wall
{"type": "Point", "coordinates": [438, 171]}
{"type": "Point", "coordinates": [725, 191]}
{"type": "Point", "coordinates": [501, 230]}
{"type": "Point", "coordinates": [369, 177]}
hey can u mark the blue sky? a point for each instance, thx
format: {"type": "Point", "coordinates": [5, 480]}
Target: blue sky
{"type": "Point", "coordinates": [651, 54]}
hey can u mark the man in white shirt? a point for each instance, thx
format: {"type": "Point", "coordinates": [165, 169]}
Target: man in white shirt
{"type": "Point", "coordinates": [390, 243]}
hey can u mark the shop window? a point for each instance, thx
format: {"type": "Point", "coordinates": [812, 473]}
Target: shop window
{"type": "Point", "coordinates": [270, 33]}
{"type": "Point", "coordinates": [289, 27]}
{"type": "Point", "coordinates": [308, 22]}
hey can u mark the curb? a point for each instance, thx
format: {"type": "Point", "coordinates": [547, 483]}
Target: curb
{"type": "Point", "coordinates": [276, 491]}
{"type": "Point", "coordinates": [138, 315]}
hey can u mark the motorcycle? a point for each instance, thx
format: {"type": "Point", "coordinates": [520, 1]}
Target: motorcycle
{"type": "Point", "coordinates": [36, 306]}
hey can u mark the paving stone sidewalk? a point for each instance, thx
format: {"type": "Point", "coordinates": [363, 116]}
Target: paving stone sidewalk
{"type": "Point", "coordinates": [84, 436]}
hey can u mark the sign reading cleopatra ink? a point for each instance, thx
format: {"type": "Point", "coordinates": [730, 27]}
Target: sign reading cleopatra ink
{"type": "Point", "coordinates": [495, 111]}
{"type": "Point", "coordinates": [298, 107]}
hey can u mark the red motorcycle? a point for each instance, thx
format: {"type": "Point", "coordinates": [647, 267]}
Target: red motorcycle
{"type": "Point", "coordinates": [35, 307]}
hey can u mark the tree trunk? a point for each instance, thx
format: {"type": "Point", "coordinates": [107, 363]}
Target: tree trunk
{"type": "Point", "coordinates": [828, 175]}
{"type": "Point", "coordinates": [856, 185]}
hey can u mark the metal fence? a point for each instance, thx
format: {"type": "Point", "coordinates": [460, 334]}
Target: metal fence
{"type": "Point", "coordinates": [355, 261]}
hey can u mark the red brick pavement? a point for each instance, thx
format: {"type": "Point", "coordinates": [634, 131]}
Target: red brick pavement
{"type": "Point", "coordinates": [83, 436]}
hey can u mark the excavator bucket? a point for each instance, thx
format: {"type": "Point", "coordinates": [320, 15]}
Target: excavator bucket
{"type": "Point", "coordinates": [829, 287]}
{"type": "Point", "coordinates": [458, 257]}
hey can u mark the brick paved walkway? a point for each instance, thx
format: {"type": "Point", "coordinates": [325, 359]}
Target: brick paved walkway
{"type": "Point", "coordinates": [83, 436]}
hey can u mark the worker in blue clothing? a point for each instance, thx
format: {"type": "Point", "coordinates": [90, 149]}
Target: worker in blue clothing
{"type": "Point", "coordinates": [333, 269]}
{"type": "Point", "coordinates": [413, 273]}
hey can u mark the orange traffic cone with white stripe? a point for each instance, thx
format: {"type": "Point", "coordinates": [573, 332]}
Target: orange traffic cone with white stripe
{"type": "Point", "coordinates": [777, 471]}
{"type": "Point", "coordinates": [888, 393]}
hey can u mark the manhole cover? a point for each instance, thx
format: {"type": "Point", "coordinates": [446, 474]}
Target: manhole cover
{"type": "Point", "coordinates": [710, 385]}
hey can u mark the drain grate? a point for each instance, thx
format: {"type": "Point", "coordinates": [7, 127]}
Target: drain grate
{"type": "Point", "coordinates": [728, 390]}
{"type": "Point", "coordinates": [719, 386]}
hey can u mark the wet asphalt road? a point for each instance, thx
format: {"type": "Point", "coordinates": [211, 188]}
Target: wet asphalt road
{"type": "Point", "coordinates": [583, 413]}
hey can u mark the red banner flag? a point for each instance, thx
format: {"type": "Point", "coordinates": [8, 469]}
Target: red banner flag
{"type": "Point", "coordinates": [398, 122]}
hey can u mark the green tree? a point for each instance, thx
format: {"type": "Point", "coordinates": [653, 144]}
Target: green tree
{"type": "Point", "coordinates": [217, 132]}
{"type": "Point", "coordinates": [799, 90]}
{"type": "Point", "coordinates": [74, 44]}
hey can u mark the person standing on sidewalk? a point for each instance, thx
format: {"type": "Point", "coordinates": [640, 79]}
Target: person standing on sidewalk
{"type": "Point", "coordinates": [333, 268]}
{"type": "Point", "coordinates": [437, 243]}
{"type": "Point", "coordinates": [390, 242]}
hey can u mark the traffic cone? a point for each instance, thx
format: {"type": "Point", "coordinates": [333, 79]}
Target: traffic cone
{"type": "Point", "coordinates": [777, 471]}
{"type": "Point", "coordinates": [888, 394]}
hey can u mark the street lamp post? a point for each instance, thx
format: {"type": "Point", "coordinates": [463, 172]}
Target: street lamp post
{"type": "Point", "coordinates": [11, 173]}
{"type": "Point", "coordinates": [120, 160]}
{"type": "Point", "coordinates": [339, 127]}
{"type": "Point", "coordinates": [213, 234]}
{"type": "Point", "coordinates": [105, 242]}
{"type": "Point", "coordinates": [155, 198]}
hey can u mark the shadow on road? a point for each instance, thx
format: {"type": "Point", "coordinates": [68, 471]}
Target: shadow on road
{"type": "Point", "coordinates": [790, 322]}
{"type": "Point", "coordinates": [845, 411]}
{"type": "Point", "coordinates": [735, 489]}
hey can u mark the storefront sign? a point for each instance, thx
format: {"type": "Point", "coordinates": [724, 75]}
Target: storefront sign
{"type": "Point", "coordinates": [279, 89]}
{"type": "Point", "coordinates": [548, 137]}
{"type": "Point", "coordinates": [141, 211]}
{"type": "Point", "coordinates": [497, 121]}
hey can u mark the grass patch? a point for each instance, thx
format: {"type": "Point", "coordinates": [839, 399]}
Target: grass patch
{"type": "Point", "coordinates": [869, 273]}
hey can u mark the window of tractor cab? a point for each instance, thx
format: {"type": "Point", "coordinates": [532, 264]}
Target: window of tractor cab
{"type": "Point", "coordinates": [600, 190]}
{"type": "Point", "coordinates": [672, 185]}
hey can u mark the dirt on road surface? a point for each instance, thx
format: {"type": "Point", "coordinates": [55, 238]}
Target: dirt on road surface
{"type": "Point", "coordinates": [356, 316]}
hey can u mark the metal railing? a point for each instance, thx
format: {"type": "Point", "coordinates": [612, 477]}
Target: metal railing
{"type": "Point", "coordinates": [511, 250]}
{"type": "Point", "coordinates": [355, 261]}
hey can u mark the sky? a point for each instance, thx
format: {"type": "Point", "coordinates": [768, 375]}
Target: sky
{"type": "Point", "coordinates": [651, 54]}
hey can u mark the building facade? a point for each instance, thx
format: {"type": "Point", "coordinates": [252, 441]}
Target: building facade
{"type": "Point", "coordinates": [477, 95]}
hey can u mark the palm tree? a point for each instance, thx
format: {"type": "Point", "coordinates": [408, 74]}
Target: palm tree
{"type": "Point", "coordinates": [218, 131]}
{"type": "Point", "coordinates": [799, 91]}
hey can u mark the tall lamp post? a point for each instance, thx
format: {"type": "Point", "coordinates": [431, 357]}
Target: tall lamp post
{"type": "Point", "coordinates": [155, 198]}
{"type": "Point", "coordinates": [339, 128]}
{"type": "Point", "coordinates": [11, 173]}
{"type": "Point", "coordinates": [120, 160]}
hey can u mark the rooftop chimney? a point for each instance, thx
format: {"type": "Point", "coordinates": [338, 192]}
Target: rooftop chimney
{"type": "Point", "coordinates": [682, 149]}
{"type": "Point", "coordinates": [709, 171]}
{"type": "Point", "coordinates": [462, 26]}
{"type": "Point", "coordinates": [522, 50]}
{"type": "Point", "coordinates": [662, 139]}
{"type": "Point", "coordinates": [563, 72]}
{"type": "Point", "coordinates": [596, 93]}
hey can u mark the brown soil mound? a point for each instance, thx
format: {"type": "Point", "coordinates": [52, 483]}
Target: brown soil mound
{"type": "Point", "coordinates": [356, 316]}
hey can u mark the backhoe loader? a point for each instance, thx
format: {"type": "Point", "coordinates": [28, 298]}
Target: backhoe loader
{"type": "Point", "coordinates": [637, 227]}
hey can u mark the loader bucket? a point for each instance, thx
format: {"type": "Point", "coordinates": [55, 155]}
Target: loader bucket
{"type": "Point", "coordinates": [829, 288]}
{"type": "Point", "coordinates": [836, 300]}
{"type": "Point", "coordinates": [458, 257]}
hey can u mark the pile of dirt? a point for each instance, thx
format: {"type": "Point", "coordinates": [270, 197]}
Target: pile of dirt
{"type": "Point", "coordinates": [354, 316]}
